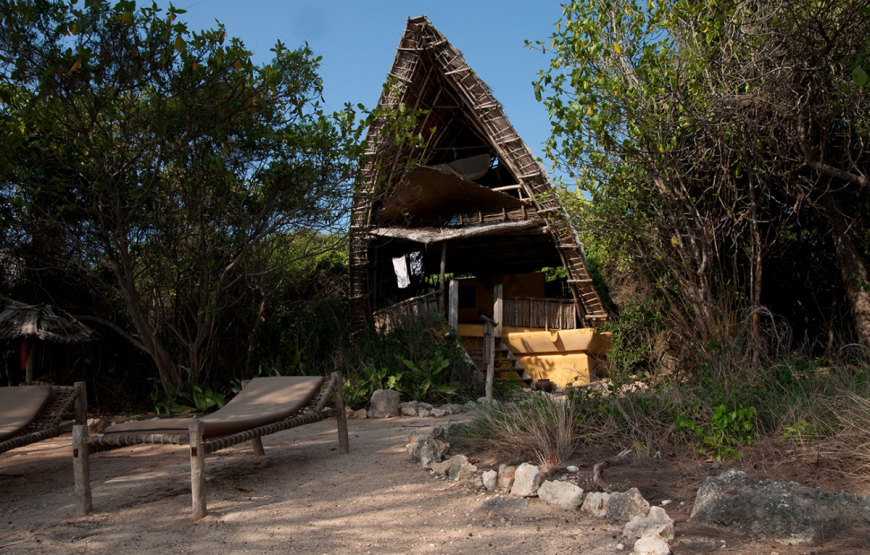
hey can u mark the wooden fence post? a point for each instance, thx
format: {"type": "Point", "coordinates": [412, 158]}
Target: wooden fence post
{"type": "Point", "coordinates": [81, 471]}
{"type": "Point", "coordinates": [197, 470]}
{"type": "Point", "coordinates": [343, 443]}
{"type": "Point", "coordinates": [488, 356]}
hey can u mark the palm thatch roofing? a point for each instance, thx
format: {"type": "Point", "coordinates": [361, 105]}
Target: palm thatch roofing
{"type": "Point", "coordinates": [22, 321]}
{"type": "Point", "coordinates": [503, 220]}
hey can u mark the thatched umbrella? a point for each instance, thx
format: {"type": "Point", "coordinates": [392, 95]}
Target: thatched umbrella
{"type": "Point", "coordinates": [31, 323]}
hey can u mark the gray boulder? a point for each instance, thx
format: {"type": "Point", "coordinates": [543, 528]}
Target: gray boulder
{"type": "Point", "coordinates": [384, 404]}
{"type": "Point", "coordinates": [596, 504]}
{"type": "Point", "coordinates": [527, 480]}
{"type": "Point", "coordinates": [656, 521]}
{"type": "Point", "coordinates": [623, 506]}
{"type": "Point", "coordinates": [779, 511]}
{"type": "Point", "coordinates": [430, 451]}
{"type": "Point", "coordinates": [565, 494]}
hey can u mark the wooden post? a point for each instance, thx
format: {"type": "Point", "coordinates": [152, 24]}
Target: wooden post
{"type": "Point", "coordinates": [443, 308]}
{"type": "Point", "coordinates": [453, 303]}
{"type": "Point", "coordinates": [81, 471]}
{"type": "Point", "coordinates": [81, 403]}
{"type": "Point", "coordinates": [488, 356]}
{"type": "Point", "coordinates": [341, 417]}
{"type": "Point", "coordinates": [498, 309]}
{"type": "Point", "coordinates": [197, 470]}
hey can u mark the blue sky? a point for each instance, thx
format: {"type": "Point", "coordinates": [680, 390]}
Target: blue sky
{"type": "Point", "coordinates": [358, 41]}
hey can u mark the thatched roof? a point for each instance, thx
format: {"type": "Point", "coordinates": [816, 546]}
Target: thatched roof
{"type": "Point", "coordinates": [463, 122]}
{"type": "Point", "coordinates": [19, 321]}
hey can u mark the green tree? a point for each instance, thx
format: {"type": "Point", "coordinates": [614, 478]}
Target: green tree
{"type": "Point", "coordinates": [164, 164]}
{"type": "Point", "coordinates": [700, 130]}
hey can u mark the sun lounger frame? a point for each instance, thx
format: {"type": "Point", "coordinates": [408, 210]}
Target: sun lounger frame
{"type": "Point", "coordinates": [64, 400]}
{"type": "Point", "coordinates": [315, 411]}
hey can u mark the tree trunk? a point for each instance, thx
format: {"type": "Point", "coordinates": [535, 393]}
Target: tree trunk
{"type": "Point", "coordinates": [855, 274]}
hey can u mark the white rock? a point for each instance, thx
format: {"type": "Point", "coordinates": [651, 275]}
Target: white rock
{"type": "Point", "coordinates": [620, 547]}
{"type": "Point", "coordinates": [438, 413]}
{"type": "Point", "coordinates": [565, 494]}
{"type": "Point", "coordinates": [527, 480]}
{"type": "Point", "coordinates": [482, 401]}
{"type": "Point", "coordinates": [506, 476]}
{"type": "Point", "coordinates": [490, 479]}
{"type": "Point", "coordinates": [360, 414]}
{"type": "Point", "coordinates": [651, 544]}
{"type": "Point", "coordinates": [656, 521]}
{"type": "Point", "coordinates": [422, 412]}
{"type": "Point", "coordinates": [409, 411]}
{"type": "Point", "coordinates": [471, 405]}
{"type": "Point", "coordinates": [96, 425]}
{"type": "Point", "coordinates": [573, 469]}
{"type": "Point", "coordinates": [596, 504]}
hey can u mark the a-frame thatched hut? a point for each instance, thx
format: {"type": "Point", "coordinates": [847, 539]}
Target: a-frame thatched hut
{"type": "Point", "coordinates": [479, 205]}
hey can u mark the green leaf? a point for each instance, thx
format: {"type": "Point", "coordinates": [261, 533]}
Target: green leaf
{"type": "Point", "coordinates": [859, 76]}
{"type": "Point", "coordinates": [180, 45]}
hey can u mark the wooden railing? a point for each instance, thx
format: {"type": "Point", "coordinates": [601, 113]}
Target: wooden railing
{"type": "Point", "coordinates": [406, 312]}
{"type": "Point", "coordinates": [549, 314]}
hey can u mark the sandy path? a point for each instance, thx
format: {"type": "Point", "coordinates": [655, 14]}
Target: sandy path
{"type": "Point", "coordinates": [304, 498]}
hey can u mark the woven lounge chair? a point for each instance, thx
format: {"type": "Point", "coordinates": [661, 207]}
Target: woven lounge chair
{"type": "Point", "coordinates": [34, 411]}
{"type": "Point", "coordinates": [265, 406]}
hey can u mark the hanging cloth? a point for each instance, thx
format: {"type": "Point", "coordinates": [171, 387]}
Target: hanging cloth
{"type": "Point", "coordinates": [400, 266]}
{"type": "Point", "coordinates": [415, 261]}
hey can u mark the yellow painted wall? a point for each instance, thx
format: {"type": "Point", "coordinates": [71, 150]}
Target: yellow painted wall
{"type": "Point", "coordinates": [563, 357]}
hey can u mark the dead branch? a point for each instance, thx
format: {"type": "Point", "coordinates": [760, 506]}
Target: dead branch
{"type": "Point", "coordinates": [598, 470]}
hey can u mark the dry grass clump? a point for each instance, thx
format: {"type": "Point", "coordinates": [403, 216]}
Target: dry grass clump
{"type": "Point", "coordinates": [542, 427]}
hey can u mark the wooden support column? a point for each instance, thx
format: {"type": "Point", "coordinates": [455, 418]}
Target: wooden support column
{"type": "Point", "coordinates": [341, 417]}
{"type": "Point", "coordinates": [81, 403]}
{"type": "Point", "coordinates": [81, 471]}
{"type": "Point", "coordinates": [442, 309]}
{"type": "Point", "coordinates": [197, 470]}
{"type": "Point", "coordinates": [453, 303]}
{"type": "Point", "coordinates": [489, 355]}
{"type": "Point", "coordinates": [498, 309]}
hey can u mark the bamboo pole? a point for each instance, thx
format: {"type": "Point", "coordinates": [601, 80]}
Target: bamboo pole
{"type": "Point", "coordinates": [81, 470]}
{"type": "Point", "coordinates": [197, 470]}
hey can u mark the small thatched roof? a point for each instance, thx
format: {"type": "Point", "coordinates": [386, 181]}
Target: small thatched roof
{"type": "Point", "coordinates": [20, 321]}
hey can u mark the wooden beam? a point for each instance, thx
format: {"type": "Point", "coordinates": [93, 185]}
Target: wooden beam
{"type": "Point", "coordinates": [489, 355]}
{"type": "Point", "coordinates": [433, 235]}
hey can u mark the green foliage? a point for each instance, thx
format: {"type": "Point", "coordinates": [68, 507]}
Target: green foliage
{"type": "Point", "coordinates": [424, 379]}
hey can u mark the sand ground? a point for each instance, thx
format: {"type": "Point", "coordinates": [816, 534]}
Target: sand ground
{"type": "Point", "coordinates": [303, 497]}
